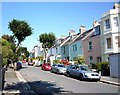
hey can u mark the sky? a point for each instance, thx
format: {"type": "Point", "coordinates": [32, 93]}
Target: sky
{"type": "Point", "coordinates": [56, 17]}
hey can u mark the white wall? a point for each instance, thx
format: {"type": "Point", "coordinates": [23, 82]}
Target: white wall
{"type": "Point", "coordinates": [114, 65]}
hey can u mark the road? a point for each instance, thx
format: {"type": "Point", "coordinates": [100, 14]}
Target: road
{"type": "Point", "coordinates": [46, 82]}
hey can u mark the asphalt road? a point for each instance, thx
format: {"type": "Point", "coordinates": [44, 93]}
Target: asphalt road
{"type": "Point", "coordinates": [46, 82]}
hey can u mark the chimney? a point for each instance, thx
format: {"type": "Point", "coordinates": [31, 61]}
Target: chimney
{"type": "Point", "coordinates": [116, 5]}
{"type": "Point", "coordinates": [82, 29]}
{"type": "Point", "coordinates": [95, 23]}
{"type": "Point", "coordinates": [72, 32]}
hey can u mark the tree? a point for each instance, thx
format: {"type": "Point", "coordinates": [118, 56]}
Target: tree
{"type": "Point", "coordinates": [47, 41]}
{"type": "Point", "coordinates": [22, 51]}
{"type": "Point", "coordinates": [10, 38]}
{"type": "Point", "coordinates": [20, 30]}
{"type": "Point", "coordinates": [7, 51]}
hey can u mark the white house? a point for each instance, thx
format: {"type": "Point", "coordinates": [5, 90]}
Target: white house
{"type": "Point", "coordinates": [37, 51]}
{"type": "Point", "coordinates": [110, 32]}
{"type": "Point", "coordinates": [55, 51]}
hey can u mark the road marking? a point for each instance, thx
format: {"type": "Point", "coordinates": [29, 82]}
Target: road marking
{"type": "Point", "coordinates": [21, 79]}
{"type": "Point", "coordinates": [14, 91]}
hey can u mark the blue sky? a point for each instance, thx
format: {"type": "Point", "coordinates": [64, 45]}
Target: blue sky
{"type": "Point", "coordinates": [57, 17]}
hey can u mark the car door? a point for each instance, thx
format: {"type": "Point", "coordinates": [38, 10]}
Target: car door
{"type": "Point", "coordinates": [75, 71]}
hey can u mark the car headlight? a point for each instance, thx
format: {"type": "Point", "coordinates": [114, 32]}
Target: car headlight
{"type": "Point", "coordinates": [87, 74]}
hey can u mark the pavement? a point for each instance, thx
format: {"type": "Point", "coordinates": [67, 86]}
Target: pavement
{"type": "Point", "coordinates": [14, 83]}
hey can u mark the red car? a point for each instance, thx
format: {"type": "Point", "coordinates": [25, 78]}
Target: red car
{"type": "Point", "coordinates": [46, 66]}
{"type": "Point", "coordinates": [30, 63]}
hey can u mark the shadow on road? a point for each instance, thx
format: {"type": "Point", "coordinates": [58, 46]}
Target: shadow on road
{"type": "Point", "coordinates": [37, 87]}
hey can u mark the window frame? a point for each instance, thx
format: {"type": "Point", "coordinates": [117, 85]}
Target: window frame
{"type": "Point", "coordinates": [90, 46]}
{"type": "Point", "coordinates": [107, 24]}
{"type": "Point", "coordinates": [109, 45]}
{"type": "Point", "coordinates": [115, 20]}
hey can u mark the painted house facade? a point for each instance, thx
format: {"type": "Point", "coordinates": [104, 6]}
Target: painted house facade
{"type": "Point", "coordinates": [91, 45]}
{"type": "Point", "coordinates": [65, 45]}
{"type": "Point", "coordinates": [55, 51]}
{"type": "Point", "coordinates": [76, 48]}
{"type": "Point", "coordinates": [110, 32]}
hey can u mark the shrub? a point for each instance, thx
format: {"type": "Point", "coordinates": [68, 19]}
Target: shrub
{"type": "Point", "coordinates": [81, 60]}
{"type": "Point", "coordinates": [103, 67]}
{"type": "Point", "coordinates": [56, 61]}
{"type": "Point", "coordinates": [4, 61]}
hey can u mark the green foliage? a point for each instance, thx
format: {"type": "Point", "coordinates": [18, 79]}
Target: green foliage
{"type": "Point", "coordinates": [4, 42]}
{"type": "Point", "coordinates": [20, 29]}
{"type": "Point", "coordinates": [10, 38]}
{"type": "Point", "coordinates": [47, 40]}
{"type": "Point", "coordinates": [4, 61]}
{"type": "Point", "coordinates": [56, 61]}
{"type": "Point", "coordinates": [7, 51]}
{"type": "Point", "coordinates": [23, 50]}
{"type": "Point", "coordinates": [81, 60]}
{"type": "Point", "coordinates": [103, 67]}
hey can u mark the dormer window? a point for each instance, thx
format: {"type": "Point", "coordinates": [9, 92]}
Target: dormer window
{"type": "Point", "coordinates": [97, 30]}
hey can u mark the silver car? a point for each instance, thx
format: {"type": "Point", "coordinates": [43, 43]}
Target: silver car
{"type": "Point", "coordinates": [58, 68]}
{"type": "Point", "coordinates": [82, 72]}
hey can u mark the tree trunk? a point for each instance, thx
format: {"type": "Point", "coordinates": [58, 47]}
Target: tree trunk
{"type": "Point", "coordinates": [45, 51]}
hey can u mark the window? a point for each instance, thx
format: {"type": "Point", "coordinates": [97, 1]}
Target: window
{"type": "Point", "coordinates": [56, 50]}
{"type": "Point", "coordinates": [97, 30]}
{"type": "Point", "coordinates": [118, 40]}
{"type": "Point", "coordinates": [75, 47]}
{"type": "Point", "coordinates": [63, 49]}
{"type": "Point", "coordinates": [115, 21]}
{"type": "Point", "coordinates": [90, 45]}
{"type": "Point", "coordinates": [98, 59]}
{"type": "Point", "coordinates": [107, 24]}
{"type": "Point", "coordinates": [91, 59]}
{"type": "Point", "coordinates": [108, 43]}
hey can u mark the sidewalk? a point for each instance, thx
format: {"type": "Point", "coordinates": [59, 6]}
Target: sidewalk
{"type": "Point", "coordinates": [110, 80]}
{"type": "Point", "coordinates": [13, 85]}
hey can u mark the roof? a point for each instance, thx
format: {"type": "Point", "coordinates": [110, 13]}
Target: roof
{"type": "Point", "coordinates": [75, 38]}
{"type": "Point", "coordinates": [80, 36]}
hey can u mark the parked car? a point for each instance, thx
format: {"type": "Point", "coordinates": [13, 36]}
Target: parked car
{"type": "Point", "coordinates": [24, 61]}
{"type": "Point", "coordinates": [58, 68]}
{"type": "Point", "coordinates": [18, 65]}
{"type": "Point", "coordinates": [46, 66]}
{"type": "Point", "coordinates": [30, 63]}
{"type": "Point", "coordinates": [82, 72]}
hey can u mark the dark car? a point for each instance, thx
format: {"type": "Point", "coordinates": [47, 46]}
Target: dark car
{"type": "Point", "coordinates": [82, 72]}
{"type": "Point", "coordinates": [46, 66]}
{"type": "Point", "coordinates": [18, 65]}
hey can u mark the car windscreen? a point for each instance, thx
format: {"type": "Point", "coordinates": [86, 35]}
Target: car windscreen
{"type": "Point", "coordinates": [61, 66]}
{"type": "Point", "coordinates": [84, 68]}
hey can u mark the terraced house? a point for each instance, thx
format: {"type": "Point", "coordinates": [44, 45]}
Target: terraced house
{"type": "Point", "coordinates": [110, 32]}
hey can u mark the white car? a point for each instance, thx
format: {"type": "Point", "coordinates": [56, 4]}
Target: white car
{"type": "Point", "coordinates": [58, 68]}
{"type": "Point", "coordinates": [82, 72]}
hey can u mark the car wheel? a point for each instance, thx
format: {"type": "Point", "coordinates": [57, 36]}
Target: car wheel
{"type": "Point", "coordinates": [81, 77]}
{"type": "Point", "coordinates": [68, 74]}
{"type": "Point", "coordinates": [57, 72]}
{"type": "Point", "coordinates": [51, 71]}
